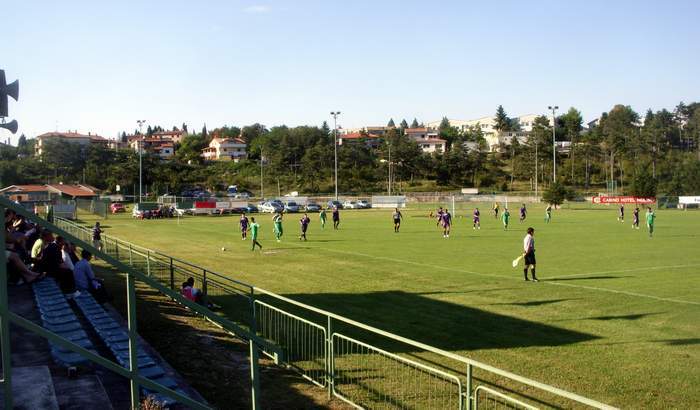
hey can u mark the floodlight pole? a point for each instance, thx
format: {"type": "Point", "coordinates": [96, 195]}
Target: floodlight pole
{"type": "Point", "coordinates": [536, 158]}
{"type": "Point", "coordinates": [335, 115]}
{"type": "Point", "coordinates": [139, 145]}
{"type": "Point", "coordinates": [554, 141]}
{"type": "Point", "coordinates": [262, 192]}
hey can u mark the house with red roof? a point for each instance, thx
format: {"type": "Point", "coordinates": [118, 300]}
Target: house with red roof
{"type": "Point", "coordinates": [70, 137]}
{"type": "Point", "coordinates": [40, 193]}
{"type": "Point", "coordinates": [371, 140]}
{"type": "Point", "coordinates": [225, 149]}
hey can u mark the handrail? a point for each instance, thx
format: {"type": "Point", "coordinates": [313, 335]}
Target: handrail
{"type": "Point", "coordinates": [420, 345]}
{"type": "Point", "coordinates": [255, 341]}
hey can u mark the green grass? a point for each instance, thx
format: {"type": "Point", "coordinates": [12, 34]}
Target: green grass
{"type": "Point", "coordinates": [616, 316]}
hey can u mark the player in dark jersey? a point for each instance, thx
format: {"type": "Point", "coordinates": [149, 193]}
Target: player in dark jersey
{"type": "Point", "coordinates": [621, 215]}
{"type": "Point", "coordinates": [446, 223]}
{"type": "Point", "coordinates": [304, 222]}
{"type": "Point", "coordinates": [635, 218]}
{"type": "Point", "coordinates": [336, 217]}
{"type": "Point", "coordinates": [243, 222]}
{"type": "Point", "coordinates": [523, 213]}
{"type": "Point", "coordinates": [397, 219]}
{"type": "Point", "coordinates": [476, 223]}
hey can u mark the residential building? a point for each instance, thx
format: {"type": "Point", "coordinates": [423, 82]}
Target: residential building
{"type": "Point", "coordinates": [494, 139]}
{"type": "Point", "coordinates": [225, 149]}
{"type": "Point", "coordinates": [371, 140]}
{"type": "Point", "coordinates": [174, 136]}
{"type": "Point", "coordinates": [378, 131]}
{"type": "Point", "coordinates": [71, 137]}
{"type": "Point", "coordinates": [427, 139]}
{"type": "Point", "coordinates": [34, 193]}
{"type": "Point", "coordinates": [160, 146]}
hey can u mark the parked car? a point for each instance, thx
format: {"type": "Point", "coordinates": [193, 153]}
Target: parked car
{"type": "Point", "coordinates": [363, 204]}
{"type": "Point", "coordinates": [117, 208]}
{"type": "Point", "coordinates": [335, 204]}
{"type": "Point", "coordinates": [312, 207]}
{"type": "Point", "coordinates": [251, 209]}
{"type": "Point", "coordinates": [291, 206]}
{"type": "Point", "coordinates": [350, 205]}
{"type": "Point", "coordinates": [241, 195]}
{"type": "Point", "coordinates": [271, 207]}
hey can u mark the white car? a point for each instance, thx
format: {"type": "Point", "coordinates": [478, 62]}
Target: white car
{"type": "Point", "coordinates": [362, 204]}
{"type": "Point", "coordinates": [271, 207]}
{"type": "Point", "coordinates": [350, 205]}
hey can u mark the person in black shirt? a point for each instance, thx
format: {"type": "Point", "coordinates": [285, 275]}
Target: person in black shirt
{"type": "Point", "coordinates": [51, 262]}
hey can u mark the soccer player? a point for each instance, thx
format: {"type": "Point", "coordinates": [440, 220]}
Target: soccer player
{"type": "Point", "coordinates": [548, 213]}
{"type": "Point", "coordinates": [322, 217]}
{"type": "Point", "coordinates": [446, 223]}
{"type": "Point", "coordinates": [635, 218]}
{"type": "Point", "coordinates": [476, 223]}
{"type": "Point", "coordinates": [304, 222]}
{"type": "Point", "coordinates": [277, 226]}
{"type": "Point", "coordinates": [529, 253]}
{"type": "Point", "coordinates": [243, 222]}
{"type": "Point", "coordinates": [651, 216]}
{"type": "Point", "coordinates": [523, 213]}
{"type": "Point", "coordinates": [621, 215]}
{"type": "Point", "coordinates": [397, 219]}
{"type": "Point", "coordinates": [440, 213]}
{"type": "Point", "coordinates": [495, 210]}
{"type": "Point", "coordinates": [254, 227]}
{"type": "Point", "coordinates": [506, 218]}
{"type": "Point", "coordinates": [97, 237]}
{"type": "Point", "coordinates": [336, 217]}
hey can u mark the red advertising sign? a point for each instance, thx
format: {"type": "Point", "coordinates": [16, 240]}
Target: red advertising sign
{"type": "Point", "coordinates": [623, 200]}
{"type": "Point", "coordinates": [204, 204]}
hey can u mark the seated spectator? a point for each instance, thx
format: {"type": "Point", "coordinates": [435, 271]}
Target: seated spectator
{"type": "Point", "coordinates": [86, 281]}
{"type": "Point", "coordinates": [50, 261]}
{"type": "Point", "coordinates": [15, 264]}
{"type": "Point", "coordinates": [37, 248]}
{"type": "Point", "coordinates": [195, 295]}
{"type": "Point", "coordinates": [66, 256]}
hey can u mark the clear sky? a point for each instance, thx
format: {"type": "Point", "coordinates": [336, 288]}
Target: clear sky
{"type": "Point", "coordinates": [99, 66]}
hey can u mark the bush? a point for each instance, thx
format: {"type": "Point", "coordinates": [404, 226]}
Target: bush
{"type": "Point", "coordinates": [557, 193]}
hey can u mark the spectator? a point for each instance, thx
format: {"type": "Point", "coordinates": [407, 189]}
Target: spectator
{"type": "Point", "coordinates": [50, 262]}
{"type": "Point", "coordinates": [97, 237]}
{"type": "Point", "coordinates": [66, 256]}
{"type": "Point", "coordinates": [44, 239]}
{"type": "Point", "coordinates": [85, 279]}
{"type": "Point", "coordinates": [195, 295]}
{"type": "Point", "coordinates": [15, 264]}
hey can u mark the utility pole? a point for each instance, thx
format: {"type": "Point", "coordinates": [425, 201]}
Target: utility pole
{"type": "Point", "coordinates": [390, 176]}
{"type": "Point", "coordinates": [335, 115]}
{"type": "Point", "coordinates": [536, 158]}
{"type": "Point", "coordinates": [554, 141]}
{"type": "Point", "coordinates": [262, 192]}
{"type": "Point", "coordinates": [139, 145]}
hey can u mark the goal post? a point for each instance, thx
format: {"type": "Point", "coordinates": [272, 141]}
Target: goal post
{"type": "Point", "coordinates": [385, 201]}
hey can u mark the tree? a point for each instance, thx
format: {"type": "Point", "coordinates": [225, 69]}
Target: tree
{"type": "Point", "coordinates": [572, 124]}
{"type": "Point", "coordinates": [391, 124]}
{"type": "Point", "coordinates": [502, 122]}
{"type": "Point", "coordinates": [619, 129]}
{"type": "Point", "coordinates": [444, 124]}
{"type": "Point", "coordinates": [557, 193]}
{"type": "Point", "coordinates": [184, 128]}
{"type": "Point", "coordinates": [204, 131]}
{"type": "Point", "coordinates": [403, 124]}
{"type": "Point", "coordinates": [643, 184]}
{"type": "Point", "coordinates": [414, 124]}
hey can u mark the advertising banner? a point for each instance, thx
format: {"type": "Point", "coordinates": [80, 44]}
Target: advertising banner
{"type": "Point", "coordinates": [687, 200]}
{"type": "Point", "coordinates": [623, 200]}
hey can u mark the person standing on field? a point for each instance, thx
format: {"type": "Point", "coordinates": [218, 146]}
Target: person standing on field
{"type": "Point", "coordinates": [476, 224]}
{"type": "Point", "coordinates": [548, 213]}
{"type": "Point", "coordinates": [446, 223]}
{"type": "Point", "coordinates": [495, 210]}
{"type": "Point", "coordinates": [505, 217]}
{"type": "Point", "coordinates": [523, 213]}
{"type": "Point", "coordinates": [651, 217]}
{"type": "Point", "coordinates": [244, 226]}
{"type": "Point", "coordinates": [529, 253]}
{"type": "Point", "coordinates": [97, 236]}
{"type": "Point", "coordinates": [397, 219]}
{"type": "Point", "coordinates": [304, 222]}
{"type": "Point", "coordinates": [621, 215]}
{"type": "Point", "coordinates": [322, 217]}
{"type": "Point", "coordinates": [277, 226]}
{"type": "Point", "coordinates": [254, 228]}
{"type": "Point", "coordinates": [635, 218]}
{"type": "Point", "coordinates": [336, 217]}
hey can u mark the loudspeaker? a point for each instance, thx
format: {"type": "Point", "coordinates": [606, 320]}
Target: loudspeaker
{"type": "Point", "coordinates": [10, 126]}
{"type": "Point", "coordinates": [11, 90]}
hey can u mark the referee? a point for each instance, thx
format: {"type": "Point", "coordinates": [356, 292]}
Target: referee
{"type": "Point", "coordinates": [529, 253]}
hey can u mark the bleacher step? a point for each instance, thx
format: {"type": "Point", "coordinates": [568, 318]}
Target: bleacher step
{"type": "Point", "coordinates": [82, 392]}
{"type": "Point", "coordinates": [32, 388]}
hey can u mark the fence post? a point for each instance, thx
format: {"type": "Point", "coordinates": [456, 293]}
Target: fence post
{"type": "Point", "coordinates": [148, 262]}
{"type": "Point", "coordinates": [253, 322]}
{"type": "Point", "coordinates": [5, 327]}
{"type": "Point", "coordinates": [172, 274]}
{"type": "Point", "coordinates": [131, 256]}
{"type": "Point", "coordinates": [470, 402]}
{"type": "Point", "coordinates": [116, 249]}
{"type": "Point", "coordinates": [204, 282]}
{"type": "Point", "coordinates": [133, 347]}
{"type": "Point", "coordinates": [329, 357]}
{"type": "Point", "coordinates": [254, 376]}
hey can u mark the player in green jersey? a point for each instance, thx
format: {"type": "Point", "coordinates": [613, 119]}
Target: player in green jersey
{"type": "Point", "coordinates": [505, 217]}
{"type": "Point", "coordinates": [322, 216]}
{"type": "Point", "coordinates": [651, 216]}
{"type": "Point", "coordinates": [277, 221]}
{"type": "Point", "coordinates": [548, 213]}
{"type": "Point", "coordinates": [254, 228]}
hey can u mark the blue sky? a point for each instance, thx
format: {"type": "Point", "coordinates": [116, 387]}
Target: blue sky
{"type": "Point", "coordinates": [100, 66]}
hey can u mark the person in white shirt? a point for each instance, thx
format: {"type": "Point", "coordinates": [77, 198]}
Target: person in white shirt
{"type": "Point", "coordinates": [65, 255]}
{"type": "Point", "coordinates": [529, 253]}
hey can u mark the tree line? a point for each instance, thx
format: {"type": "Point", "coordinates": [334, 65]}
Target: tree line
{"type": "Point", "coordinates": [657, 152]}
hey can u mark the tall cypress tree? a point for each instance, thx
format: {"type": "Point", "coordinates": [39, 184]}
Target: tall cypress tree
{"type": "Point", "coordinates": [502, 120]}
{"type": "Point", "coordinates": [391, 123]}
{"type": "Point", "coordinates": [414, 124]}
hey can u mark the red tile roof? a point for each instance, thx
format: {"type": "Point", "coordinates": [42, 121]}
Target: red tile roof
{"type": "Point", "coordinates": [432, 140]}
{"type": "Point", "coordinates": [72, 190]}
{"type": "Point", "coordinates": [25, 188]}
{"type": "Point", "coordinates": [423, 129]}
{"type": "Point", "coordinates": [357, 135]}
{"type": "Point", "coordinates": [92, 137]}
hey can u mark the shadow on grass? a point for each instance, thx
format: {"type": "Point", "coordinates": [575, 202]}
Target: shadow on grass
{"type": "Point", "coordinates": [680, 342]}
{"type": "Point", "coordinates": [585, 278]}
{"type": "Point", "coordinates": [445, 325]}
{"type": "Point", "coordinates": [533, 302]}
{"type": "Point", "coordinates": [636, 316]}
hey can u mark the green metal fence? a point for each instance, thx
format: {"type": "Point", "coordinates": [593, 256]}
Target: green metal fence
{"type": "Point", "coordinates": [94, 206]}
{"type": "Point", "coordinates": [137, 381]}
{"type": "Point", "coordinates": [323, 347]}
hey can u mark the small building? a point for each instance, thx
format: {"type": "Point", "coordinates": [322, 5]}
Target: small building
{"type": "Point", "coordinates": [225, 149]}
{"type": "Point", "coordinates": [371, 140]}
{"type": "Point", "coordinates": [39, 193]}
{"type": "Point", "coordinates": [173, 136]}
{"type": "Point", "coordinates": [71, 137]}
{"type": "Point", "coordinates": [426, 139]}
{"type": "Point", "coordinates": [161, 147]}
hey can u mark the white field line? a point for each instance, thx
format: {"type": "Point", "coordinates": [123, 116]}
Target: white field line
{"type": "Point", "coordinates": [427, 265]}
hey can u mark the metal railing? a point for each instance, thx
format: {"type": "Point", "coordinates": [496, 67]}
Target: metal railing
{"type": "Point", "coordinates": [324, 347]}
{"type": "Point", "coordinates": [137, 381]}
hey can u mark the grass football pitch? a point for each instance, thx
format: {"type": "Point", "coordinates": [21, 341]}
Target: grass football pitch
{"type": "Point", "coordinates": [615, 316]}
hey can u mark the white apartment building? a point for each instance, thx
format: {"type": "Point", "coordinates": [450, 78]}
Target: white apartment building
{"type": "Point", "coordinates": [427, 139]}
{"type": "Point", "coordinates": [225, 149]}
{"type": "Point", "coordinates": [70, 137]}
{"type": "Point", "coordinates": [494, 138]}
